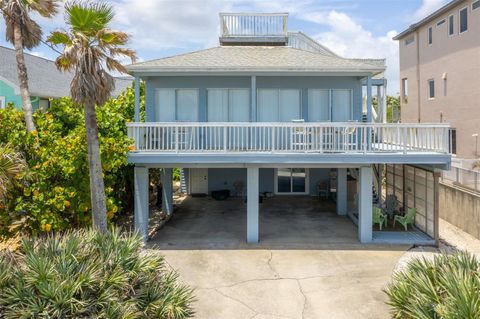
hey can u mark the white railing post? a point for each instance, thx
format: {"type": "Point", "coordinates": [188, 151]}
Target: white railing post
{"type": "Point", "coordinates": [176, 138]}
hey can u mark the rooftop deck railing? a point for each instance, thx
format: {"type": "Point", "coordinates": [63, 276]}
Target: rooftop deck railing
{"type": "Point", "coordinates": [253, 24]}
{"type": "Point", "coordinates": [321, 137]}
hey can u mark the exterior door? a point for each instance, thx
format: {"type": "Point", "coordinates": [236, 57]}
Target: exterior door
{"type": "Point", "coordinates": [290, 181]}
{"type": "Point", "coordinates": [198, 181]}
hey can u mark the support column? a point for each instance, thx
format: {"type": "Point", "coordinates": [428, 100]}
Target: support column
{"type": "Point", "coordinates": [365, 205]}
{"type": "Point", "coordinates": [436, 208]}
{"type": "Point", "coordinates": [167, 193]}
{"type": "Point", "coordinates": [137, 99]}
{"type": "Point", "coordinates": [252, 204]}
{"type": "Point", "coordinates": [342, 191]}
{"type": "Point", "coordinates": [141, 200]}
{"type": "Point", "coordinates": [369, 99]}
{"type": "Point", "coordinates": [384, 102]}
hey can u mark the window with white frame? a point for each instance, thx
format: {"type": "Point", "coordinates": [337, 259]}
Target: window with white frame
{"type": "Point", "coordinates": [319, 105]}
{"type": "Point", "coordinates": [405, 90]}
{"type": "Point", "coordinates": [341, 105]}
{"type": "Point", "coordinates": [431, 89]}
{"type": "Point", "coordinates": [176, 105]}
{"type": "Point", "coordinates": [451, 25]}
{"type": "Point", "coordinates": [475, 5]}
{"type": "Point", "coordinates": [430, 35]}
{"type": "Point", "coordinates": [278, 105]}
{"type": "Point", "coordinates": [410, 40]}
{"type": "Point", "coordinates": [3, 102]}
{"type": "Point", "coordinates": [228, 105]}
{"type": "Point", "coordinates": [463, 20]}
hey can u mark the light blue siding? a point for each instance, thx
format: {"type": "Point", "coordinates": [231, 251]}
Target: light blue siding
{"type": "Point", "coordinates": [303, 83]}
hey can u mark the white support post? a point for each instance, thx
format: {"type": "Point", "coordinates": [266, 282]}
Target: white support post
{"type": "Point", "coordinates": [365, 205]}
{"type": "Point", "coordinates": [342, 191]}
{"type": "Point", "coordinates": [384, 102]}
{"type": "Point", "coordinates": [141, 200]}
{"type": "Point", "coordinates": [167, 193]}
{"type": "Point", "coordinates": [252, 204]}
{"type": "Point", "coordinates": [253, 91]}
{"type": "Point", "coordinates": [369, 99]}
{"type": "Point", "coordinates": [137, 99]}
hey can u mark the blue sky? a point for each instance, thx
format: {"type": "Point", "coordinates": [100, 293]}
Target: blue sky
{"type": "Point", "coordinates": [361, 28]}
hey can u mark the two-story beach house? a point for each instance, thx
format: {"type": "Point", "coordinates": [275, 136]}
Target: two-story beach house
{"type": "Point", "coordinates": [282, 115]}
{"type": "Point", "coordinates": [439, 73]}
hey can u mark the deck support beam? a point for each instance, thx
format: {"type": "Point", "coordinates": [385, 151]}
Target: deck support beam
{"type": "Point", "coordinates": [141, 209]}
{"type": "Point", "coordinates": [137, 99]}
{"type": "Point", "coordinates": [252, 204]}
{"type": "Point", "coordinates": [342, 191]}
{"type": "Point", "coordinates": [167, 191]}
{"type": "Point", "coordinates": [369, 99]}
{"type": "Point", "coordinates": [365, 204]}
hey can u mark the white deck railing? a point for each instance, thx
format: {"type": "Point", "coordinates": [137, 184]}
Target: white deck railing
{"type": "Point", "coordinates": [289, 137]}
{"type": "Point", "coordinates": [253, 24]}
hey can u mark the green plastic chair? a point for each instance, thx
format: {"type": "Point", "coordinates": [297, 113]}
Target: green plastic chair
{"type": "Point", "coordinates": [379, 217]}
{"type": "Point", "coordinates": [409, 218]}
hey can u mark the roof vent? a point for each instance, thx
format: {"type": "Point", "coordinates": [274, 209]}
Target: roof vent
{"type": "Point", "coordinates": [254, 29]}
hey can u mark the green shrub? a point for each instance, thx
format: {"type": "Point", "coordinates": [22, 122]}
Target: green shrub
{"type": "Point", "coordinates": [54, 193]}
{"type": "Point", "coordinates": [446, 287]}
{"type": "Point", "coordinates": [85, 274]}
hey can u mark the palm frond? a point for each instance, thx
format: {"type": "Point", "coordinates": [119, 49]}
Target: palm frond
{"type": "Point", "coordinates": [88, 17]}
{"type": "Point", "coordinates": [11, 164]}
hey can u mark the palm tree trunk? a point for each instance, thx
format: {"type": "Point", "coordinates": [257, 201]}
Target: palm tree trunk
{"type": "Point", "coordinates": [23, 78]}
{"type": "Point", "coordinates": [97, 188]}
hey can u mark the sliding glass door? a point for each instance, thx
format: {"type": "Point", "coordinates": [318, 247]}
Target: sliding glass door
{"type": "Point", "coordinates": [291, 181]}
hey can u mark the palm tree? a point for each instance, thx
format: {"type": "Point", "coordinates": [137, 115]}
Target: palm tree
{"type": "Point", "coordinates": [23, 32]}
{"type": "Point", "coordinates": [11, 164]}
{"type": "Point", "coordinates": [88, 46]}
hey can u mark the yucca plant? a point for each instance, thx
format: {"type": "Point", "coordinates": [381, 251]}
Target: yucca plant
{"type": "Point", "coordinates": [446, 287]}
{"type": "Point", "coordinates": [87, 274]}
{"type": "Point", "coordinates": [11, 164]}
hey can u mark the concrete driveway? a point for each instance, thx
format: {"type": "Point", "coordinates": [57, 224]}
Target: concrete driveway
{"type": "Point", "coordinates": [258, 284]}
{"type": "Point", "coordinates": [308, 264]}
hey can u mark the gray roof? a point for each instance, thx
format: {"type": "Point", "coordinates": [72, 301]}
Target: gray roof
{"type": "Point", "coordinates": [44, 79]}
{"type": "Point", "coordinates": [268, 59]}
{"type": "Point", "coordinates": [428, 18]}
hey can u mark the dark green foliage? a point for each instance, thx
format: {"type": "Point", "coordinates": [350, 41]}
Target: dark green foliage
{"type": "Point", "coordinates": [54, 193]}
{"type": "Point", "coordinates": [85, 274]}
{"type": "Point", "coordinates": [447, 287]}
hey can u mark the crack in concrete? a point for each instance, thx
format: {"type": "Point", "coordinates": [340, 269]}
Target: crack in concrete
{"type": "Point", "coordinates": [269, 263]}
{"type": "Point", "coordinates": [304, 297]}
{"type": "Point", "coordinates": [239, 301]}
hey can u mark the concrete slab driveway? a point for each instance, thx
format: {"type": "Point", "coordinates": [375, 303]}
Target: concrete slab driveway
{"type": "Point", "coordinates": [286, 283]}
{"type": "Point", "coordinates": [308, 264]}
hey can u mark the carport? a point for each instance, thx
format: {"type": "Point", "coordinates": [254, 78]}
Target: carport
{"type": "Point", "coordinates": [284, 222]}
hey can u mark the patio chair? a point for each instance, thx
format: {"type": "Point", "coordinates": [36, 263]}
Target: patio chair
{"type": "Point", "coordinates": [409, 218]}
{"type": "Point", "coordinates": [379, 217]}
{"type": "Point", "coordinates": [323, 189]}
{"type": "Point", "coordinates": [390, 205]}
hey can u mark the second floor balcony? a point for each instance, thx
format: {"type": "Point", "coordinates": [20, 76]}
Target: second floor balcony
{"type": "Point", "coordinates": [289, 138]}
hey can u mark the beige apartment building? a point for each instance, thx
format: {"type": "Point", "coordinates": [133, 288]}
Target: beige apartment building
{"type": "Point", "coordinates": [440, 73]}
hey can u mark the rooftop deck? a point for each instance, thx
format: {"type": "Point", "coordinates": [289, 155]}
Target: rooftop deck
{"type": "Point", "coordinates": [253, 28]}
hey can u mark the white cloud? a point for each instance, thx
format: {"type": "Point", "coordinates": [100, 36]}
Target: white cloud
{"type": "Point", "coordinates": [157, 25]}
{"type": "Point", "coordinates": [427, 7]}
{"type": "Point", "coordinates": [347, 38]}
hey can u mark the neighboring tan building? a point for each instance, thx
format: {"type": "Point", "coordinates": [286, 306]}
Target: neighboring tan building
{"type": "Point", "coordinates": [440, 73]}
